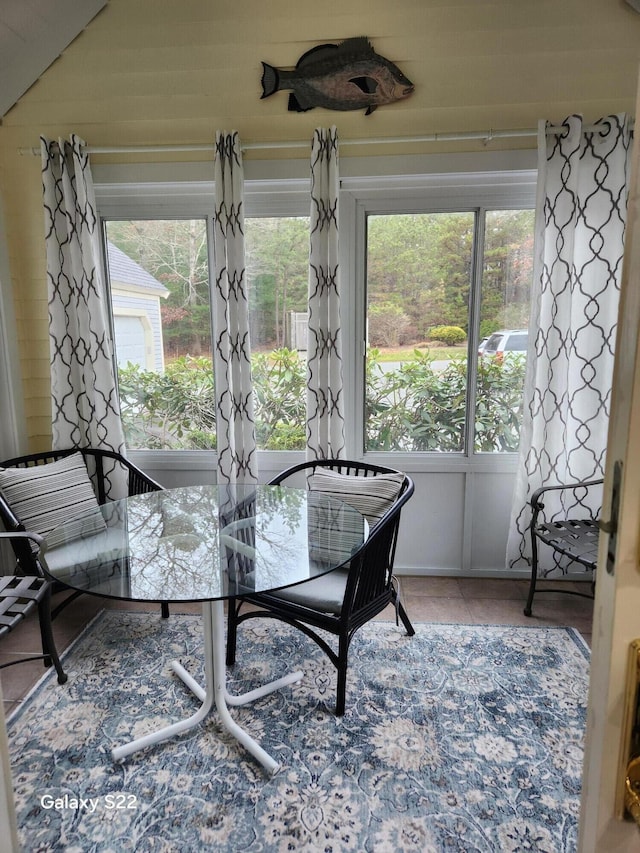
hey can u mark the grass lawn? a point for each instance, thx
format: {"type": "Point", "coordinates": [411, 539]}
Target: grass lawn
{"type": "Point", "coordinates": [438, 353]}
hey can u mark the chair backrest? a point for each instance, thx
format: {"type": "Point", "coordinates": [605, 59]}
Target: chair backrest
{"type": "Point", "coordinates": [394, 486]}
{"type": "Point", "coordinates": [371, 566]}
{"type": "Point", "coordinates": [98, 464]}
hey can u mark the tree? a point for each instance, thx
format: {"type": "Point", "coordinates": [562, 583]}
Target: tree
{"type": "Point", "coordinates": [419, 274]}
{"type": "Point", "coordinates": [507, 269]}
{"type": "Point", "coordinates": [422, 263]}
{"type": "Point", "coordinates": [277, 263]}
{"type": "Point", "coordinates": [175, 252]}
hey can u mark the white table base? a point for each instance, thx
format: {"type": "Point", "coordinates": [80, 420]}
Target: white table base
{"type": "Point", "coordinates": [214, 694]}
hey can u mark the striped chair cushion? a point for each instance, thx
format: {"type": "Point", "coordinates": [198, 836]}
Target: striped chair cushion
{"type": "Point", "coordinates": [335, 531]}
{"type": "Point", "coordinates": [333, 537]}
{"type": "Point", "coordinates": [371, 496]}
{"type": "Point", "coordinates": [44, 496]}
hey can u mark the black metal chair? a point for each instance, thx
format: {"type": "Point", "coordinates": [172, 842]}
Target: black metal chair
{"type": "Point", "coordinates": [348, 597]}
{"type": "Point", "coordinates": [573, 539]}
{"type": "Point", "coordinates": [99, 462]}
{"type": "Point", "coordinates": [19, 596]}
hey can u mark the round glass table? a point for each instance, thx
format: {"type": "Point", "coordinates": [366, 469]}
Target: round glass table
{"type": "Point", "coordinates": [207, 544]}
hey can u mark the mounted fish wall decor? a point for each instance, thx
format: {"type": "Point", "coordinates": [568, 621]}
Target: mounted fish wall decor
{"type": "Point", "coordinates": [345, 76]}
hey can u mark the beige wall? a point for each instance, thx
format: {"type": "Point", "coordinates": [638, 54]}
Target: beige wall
{"type": "Point", "coordinates": [163, 71]}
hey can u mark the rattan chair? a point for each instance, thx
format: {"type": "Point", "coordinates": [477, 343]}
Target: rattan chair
{"type": "Point", "coordinates": [20, 596]}
{"type": "Point", "coordinates": [348, 597]}
{"type": "Point", "coordinates": [572, 540]}
{"type": "Point", "coordinates": [99, 463]}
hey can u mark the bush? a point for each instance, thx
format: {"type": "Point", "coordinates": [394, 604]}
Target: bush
{"type": "Point", "coordinates": [414, 408]}
{"type": "Point", "coordinates": [388, 324]}
{"type": "Point", "coordinates": [419, 408]}
{"type": "Point", "coordinates": [279, 386]}
{"type": "Point", "coordinates": [175, 410]}
{"type": "Point", "coordinates": [449, 335]}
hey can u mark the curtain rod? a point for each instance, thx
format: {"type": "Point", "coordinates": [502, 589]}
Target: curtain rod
{"type": "Point", "coordinates": [486, 135]}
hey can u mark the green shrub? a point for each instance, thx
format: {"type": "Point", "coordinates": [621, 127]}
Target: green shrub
{"type": "Point", "coordinates": [416, 407]}
{"type": "Point", "coordinates": [175, 410]}
{"type": "Point", "coordinates": [449, 335]}
{"type": "Point", "coordinates": [169, 411]}
{"type": "Point", "coordinates": [419, 408]}
{"type": "Point", "coordinates": [279, 386]}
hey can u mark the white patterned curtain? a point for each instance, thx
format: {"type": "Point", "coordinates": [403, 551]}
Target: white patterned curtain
{"type": "Point", "coordinates": [580, 222]}
{"type": "Point", "coordinates": [325, 413]}
{"type": "Point", "coordinates": [85, 406]}
{"type": "Point", "coordinates": [235, 429]}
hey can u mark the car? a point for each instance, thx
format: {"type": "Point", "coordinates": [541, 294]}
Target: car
{"type": "Point", "coordinates": [505, 341]}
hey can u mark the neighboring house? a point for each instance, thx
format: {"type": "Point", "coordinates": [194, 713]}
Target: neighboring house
{"type": "Point", "coordinates": [136, 296]}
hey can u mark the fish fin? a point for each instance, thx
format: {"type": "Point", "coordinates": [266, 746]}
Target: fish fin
{"type": "Point", "coordinates": [317, 54]}
{"type": "Point", "coordinates": [296, 107]}
{"type": "Point", "coordinates": [270, 80]}
{"type": "Point", "coordinates": [366, 84]}
{"type": "Point", "coordinates": [358, 45]}
{"type": "Point", "coordinates": [370, 109]}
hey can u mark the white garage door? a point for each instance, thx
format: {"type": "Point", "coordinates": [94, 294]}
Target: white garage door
{"type": "Point", "coordinates": [130, 341]}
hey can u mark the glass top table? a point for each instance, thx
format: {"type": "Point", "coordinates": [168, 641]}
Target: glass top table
{"type": "Point", "coordinates": [205, 543]}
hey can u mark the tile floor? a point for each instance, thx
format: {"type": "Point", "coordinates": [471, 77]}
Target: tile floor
{"type": "Point", "coordinates": [427, 599]}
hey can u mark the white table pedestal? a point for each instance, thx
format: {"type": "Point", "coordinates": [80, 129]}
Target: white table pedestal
{"type": "Point", "coordinates": [214, 694]}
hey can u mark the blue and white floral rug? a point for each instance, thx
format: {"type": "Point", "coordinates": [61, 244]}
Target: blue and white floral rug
{"type": "Point", "coordinates": [462, 738]}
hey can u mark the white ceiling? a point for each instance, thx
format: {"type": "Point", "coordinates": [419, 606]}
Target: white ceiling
{"type": "Point", "coordinates": [33, 33]}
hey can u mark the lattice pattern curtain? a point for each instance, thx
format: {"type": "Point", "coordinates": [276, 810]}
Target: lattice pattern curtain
{"type": "Point", "coordinates": [325, 413]}
{"type": "Point", "coordinates": [580, 222]}
{"type": "Point", "coordinates": [85, 406]}
{"type": "Point", "coordinates": [235, 428]}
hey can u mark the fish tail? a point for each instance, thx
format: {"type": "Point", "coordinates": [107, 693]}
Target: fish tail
{"type": "Point", "coordinates": [270, 80]}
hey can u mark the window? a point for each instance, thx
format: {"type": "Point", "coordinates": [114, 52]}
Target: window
{"type": "Point", "coordinates": [507, 271]}
{"type": "Point", "coordinates": [436, 273]}
{"type": "Point", "coordinates": [419, 276]}
{"type": "Point", "coordinates": [420, 280]}
{"type": "Point", "coordinates": [160, 300]}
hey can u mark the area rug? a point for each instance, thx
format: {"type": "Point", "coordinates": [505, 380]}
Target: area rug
{"type": "Point", "coordinates": [461, 738]}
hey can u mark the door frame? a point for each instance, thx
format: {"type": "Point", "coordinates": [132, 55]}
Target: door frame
{"type": "Point", "coordinates": [616, 619]}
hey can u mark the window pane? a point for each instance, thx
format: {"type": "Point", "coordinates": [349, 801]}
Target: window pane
{"type": "Point", "coordinates": [419, 273]}
{"type": "Point", "coordinates": [504, 315]}
{"type": "Point", "coordinates": [158, 271]}
{"type": "Point", "coordinates": [277, 259]}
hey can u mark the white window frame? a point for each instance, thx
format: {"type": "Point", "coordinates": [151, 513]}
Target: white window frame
{"type": "Point", "coordinates": [476, 193]}
{"type": "Point", "coordinates": [421, 184]}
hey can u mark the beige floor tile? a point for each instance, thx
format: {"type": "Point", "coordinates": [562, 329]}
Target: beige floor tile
{"type": "Point", "coordinates": [435, 587]}
{"type": "Point", "coordinates": [493, 588]}
{"type": "Point", "coordinates": [9, 708]}
{"type": "Point", "coordinates": [497, 611]}
{"type": "Point", "coordinates": [568, 606]}
{"type": "Point", "coordinates": [18, 680]}
{"type": "Point", "coordinates": [439, 609]}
